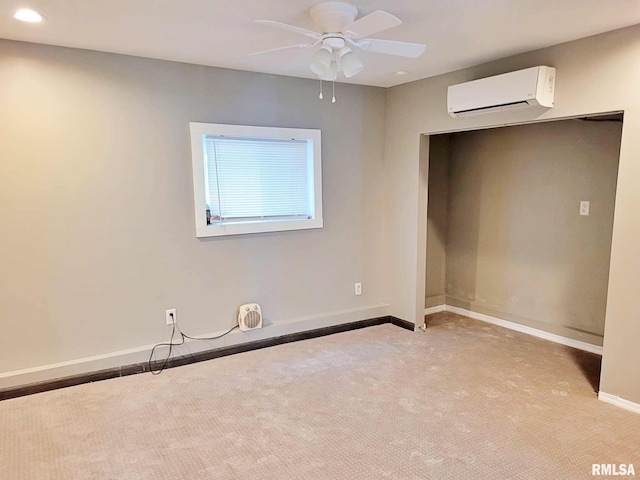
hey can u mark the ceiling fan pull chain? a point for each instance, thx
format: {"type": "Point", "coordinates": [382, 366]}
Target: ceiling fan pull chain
{"type": "Point", "coordinates": [320, 96]}
{"type": "Point", "coordinates": [333, 100]}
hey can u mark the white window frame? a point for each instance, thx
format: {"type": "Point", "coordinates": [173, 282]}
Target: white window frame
{"type": "Point", "coordinates": [200, 130]}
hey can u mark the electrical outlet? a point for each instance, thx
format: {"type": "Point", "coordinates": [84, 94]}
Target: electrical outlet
{"type": "Point", "coordinates": [584, 208]}
{"type": "Point", "coordinates": [171, 316]}
{"type": "Point", "coordinates": [358, 288]}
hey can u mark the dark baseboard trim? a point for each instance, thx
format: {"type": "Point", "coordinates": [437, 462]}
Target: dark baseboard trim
{"type": "Point", "coordinates": [39, 387]}
{"type": "Point", "coordinates": [402, 323]}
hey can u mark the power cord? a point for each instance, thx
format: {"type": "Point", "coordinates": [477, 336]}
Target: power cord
{"type": "Point", "coordinates": [172, 344]}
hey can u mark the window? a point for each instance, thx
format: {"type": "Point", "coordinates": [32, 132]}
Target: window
{"type": "Point", "coordinates": [255, 179]}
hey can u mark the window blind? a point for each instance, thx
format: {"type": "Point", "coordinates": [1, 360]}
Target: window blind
{"type": "Point", "coordinates": [251, 179]}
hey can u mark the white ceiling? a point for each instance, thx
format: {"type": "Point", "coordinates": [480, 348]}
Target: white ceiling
{"type": "Point", "coordinates": [458, 33]}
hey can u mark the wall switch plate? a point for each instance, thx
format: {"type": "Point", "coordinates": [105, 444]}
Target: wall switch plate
{"type": "Point", "coordinates": [584, 208]}
{"type": "Point", "coordinates": [358, 288]}
{"type": "Point", "coordinates": [171, 316]}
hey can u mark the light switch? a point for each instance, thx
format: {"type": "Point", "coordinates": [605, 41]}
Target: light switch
{"type": "Point", "coordinates": [584, 207]}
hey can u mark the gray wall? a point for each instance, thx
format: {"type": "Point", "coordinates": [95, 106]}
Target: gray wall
{"type": "Point", "coordinates": [96, 202]}
{"type": "Point", "coordinates": [437, 219]}
{"type": "Point", "coordinates": [595, 74]}
{"type": "Point", "coordinates": [517, 247]}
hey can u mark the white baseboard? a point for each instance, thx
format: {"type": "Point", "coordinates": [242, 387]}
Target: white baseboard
{"type": "Point", "coordinates": [570, 342]}
{"type": "Point", "coordinates": [619, 402]}
{"type": "Point", "coordinates": [436, 309]}
{"type": "Point", "coordinates": [132, 356]}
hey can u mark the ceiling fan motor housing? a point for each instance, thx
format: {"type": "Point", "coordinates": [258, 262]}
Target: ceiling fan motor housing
{"type": "Point", "coordinates": [335, 41]}
{"type": "Point", "coordinates": [332, 17]}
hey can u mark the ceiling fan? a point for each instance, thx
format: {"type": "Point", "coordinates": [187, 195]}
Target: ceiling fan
{"type": "Point", "coordinates": [338, 29]}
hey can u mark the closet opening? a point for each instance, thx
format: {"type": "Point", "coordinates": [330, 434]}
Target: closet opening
{"type": "Point", "coordinates": [519, 227]}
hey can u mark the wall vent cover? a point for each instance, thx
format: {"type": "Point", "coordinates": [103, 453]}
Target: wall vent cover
{"type": "Point", "coordinates": [249, 317]}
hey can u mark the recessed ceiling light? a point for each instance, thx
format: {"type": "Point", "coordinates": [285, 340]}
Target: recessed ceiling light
{"type": "Point", "coordinates": [28, 15]}
{"type": "Point", "coordinates": [401, 73]}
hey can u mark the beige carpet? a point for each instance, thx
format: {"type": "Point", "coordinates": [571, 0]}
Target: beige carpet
{"type": "Point", "coordinates": [465, 400]}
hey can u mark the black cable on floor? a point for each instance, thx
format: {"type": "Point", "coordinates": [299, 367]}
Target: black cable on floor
{"type": "Point", "coordinates": [172, 344]}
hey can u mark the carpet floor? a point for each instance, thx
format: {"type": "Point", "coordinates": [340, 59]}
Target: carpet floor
{"type": "Point", "coordinates": [464, 400]}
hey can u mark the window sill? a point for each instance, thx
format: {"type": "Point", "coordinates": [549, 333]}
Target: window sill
{"type": "Point", "coordinates": [256, 227]}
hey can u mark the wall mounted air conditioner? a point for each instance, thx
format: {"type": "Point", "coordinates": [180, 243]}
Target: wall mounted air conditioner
{"type": "Point", "coordinates": [249, 317]}
{"type": "Point", "coordinates": [524, 88]}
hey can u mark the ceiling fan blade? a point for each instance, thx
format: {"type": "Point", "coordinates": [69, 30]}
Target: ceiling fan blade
{"type": "Point", "coordinates": [300, 45]}
{"type": "Point", "coordinates": [291, 28]}
{"type": "Point", "coordinates": [373, 23]}
{"type": "Point", "coordinates": [390, 47]}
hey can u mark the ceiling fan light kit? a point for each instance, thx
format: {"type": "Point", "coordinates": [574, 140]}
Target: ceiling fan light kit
{"type": "Point", "coordinates": [323, 64]}
{"type": "Point", "coordinates": [337, 26]}
{"type": "Point", "coordinates": [351, 64]}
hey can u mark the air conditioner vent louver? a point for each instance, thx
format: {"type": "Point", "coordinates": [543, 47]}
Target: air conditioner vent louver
{"type": "Point", "coordinates": [249, 317]}
{"type": "Point", "coordinates": [494, 108]}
